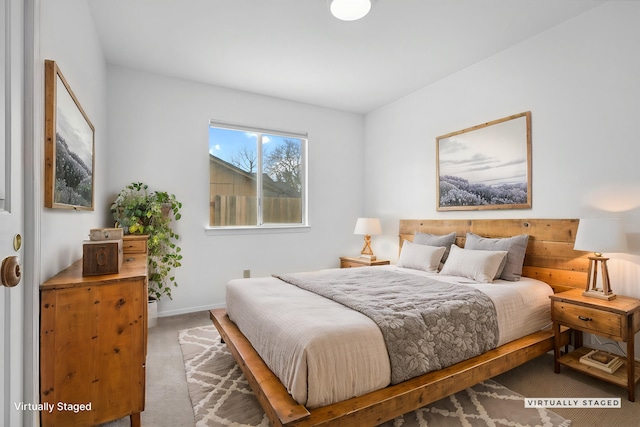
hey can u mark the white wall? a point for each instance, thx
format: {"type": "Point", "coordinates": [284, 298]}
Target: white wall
{"type": "Point", "coordinates": [67, 36]}
{"type": "Point", "coordinates": [158, 134]}
{"type": "Point", "coordinates": [579, 80]}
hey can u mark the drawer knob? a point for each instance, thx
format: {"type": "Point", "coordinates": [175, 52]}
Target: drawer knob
{"type": "Point", "coordinates": [586, 319]}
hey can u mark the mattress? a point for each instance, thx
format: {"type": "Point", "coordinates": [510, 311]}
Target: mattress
{"type": "Point", "coordinates": [324, 352]}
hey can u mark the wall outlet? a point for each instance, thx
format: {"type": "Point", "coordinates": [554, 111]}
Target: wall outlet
{"type": "Point", "coordinates": [246, 274]}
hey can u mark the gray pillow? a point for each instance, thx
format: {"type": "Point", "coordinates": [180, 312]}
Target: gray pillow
{"type": "Point", "coordinates": [445, 240]}
{"type": "Point", "coordinates": [515, 246]}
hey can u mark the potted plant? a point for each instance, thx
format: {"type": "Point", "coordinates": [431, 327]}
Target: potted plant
{"type": "Point", "coordinates": [141, 211]}
{"type": "Point", "coordinates": [131, 208]}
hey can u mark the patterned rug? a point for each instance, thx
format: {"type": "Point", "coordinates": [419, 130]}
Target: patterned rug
{"type": "Point", "coordinates": [221, 396]}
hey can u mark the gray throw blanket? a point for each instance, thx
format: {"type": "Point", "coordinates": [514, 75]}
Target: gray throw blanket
{"type": "Point", "coordinates": [426, 324]}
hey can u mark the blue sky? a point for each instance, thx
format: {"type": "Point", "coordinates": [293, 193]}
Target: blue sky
{"type": "Point", "coordinates": [223, 143]}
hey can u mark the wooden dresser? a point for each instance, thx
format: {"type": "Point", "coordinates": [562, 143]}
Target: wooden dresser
{"type": "Point", "coordinates": [93, 344]}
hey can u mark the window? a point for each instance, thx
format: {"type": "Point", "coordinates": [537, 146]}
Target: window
{"type": "Point", "coordinates": [257, 177]}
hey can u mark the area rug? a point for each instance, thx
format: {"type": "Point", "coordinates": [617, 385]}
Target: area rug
{"type": "Point", "coordinates": [221, 396]}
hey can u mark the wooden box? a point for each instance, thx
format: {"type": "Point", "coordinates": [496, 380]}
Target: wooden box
{"type": "Point", "coordinates": [101, 257]}
{"type": "Point", "coordinates": [106, 233]}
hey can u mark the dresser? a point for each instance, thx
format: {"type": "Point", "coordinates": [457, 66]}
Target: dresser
{"type": "Point", "coordinates": [93, 344]}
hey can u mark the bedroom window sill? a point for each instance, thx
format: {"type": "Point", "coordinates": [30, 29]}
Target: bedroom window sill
{"type": "Point", "coordinates": [229, 231]}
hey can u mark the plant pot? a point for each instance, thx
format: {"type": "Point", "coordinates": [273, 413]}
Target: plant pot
{"type": "Point", "coordinates": [166, 210]}
{"type": "Point", "coordinates": [152, 313]}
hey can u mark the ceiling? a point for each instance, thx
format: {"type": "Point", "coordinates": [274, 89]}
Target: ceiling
{"type": "Point", "coordinates": [295, 49]}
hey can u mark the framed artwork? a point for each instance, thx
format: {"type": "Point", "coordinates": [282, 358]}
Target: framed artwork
{"type": "Point", "coordinates": [69, 146]}
{"type": "Point", "coordinates": [486, 166]}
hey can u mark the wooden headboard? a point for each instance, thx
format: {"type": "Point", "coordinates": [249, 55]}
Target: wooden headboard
{"type": "Point", "coordinates": [550, 255]}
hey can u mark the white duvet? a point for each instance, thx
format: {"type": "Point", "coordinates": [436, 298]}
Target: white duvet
{"type": "Point", "coordinates": [324, 352]}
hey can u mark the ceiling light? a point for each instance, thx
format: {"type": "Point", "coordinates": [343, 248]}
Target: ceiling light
{"type": "Point", "coordinates": [350, 10]}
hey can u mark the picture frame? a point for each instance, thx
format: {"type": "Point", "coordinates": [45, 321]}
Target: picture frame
{"type": "Point", "coordinates": [69, 146]}
{"type": "Point", "coordinates": [487, 166]}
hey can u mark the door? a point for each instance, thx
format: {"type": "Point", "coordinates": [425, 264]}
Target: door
{"type": "Point", "coordinates": [11, 212]}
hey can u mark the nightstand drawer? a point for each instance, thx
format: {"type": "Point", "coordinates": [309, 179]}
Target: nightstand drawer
{"type": "Point", "coordinates": [588, 319]}
{"type": "Point", "coordinates": [349, 264]}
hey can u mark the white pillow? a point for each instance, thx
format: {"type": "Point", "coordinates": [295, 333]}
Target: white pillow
{"type": "Point", "coordinates": [478, 265]}
{"type": "Point", "coordinates": [420, 257]}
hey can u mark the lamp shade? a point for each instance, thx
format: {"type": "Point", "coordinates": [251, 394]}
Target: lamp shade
{"type": "Point", "coordinates": [349, 10]}
{"type": "Point", "coordinates": [368, 226]}
{"type": "Point", "coordinates": [601, 235]}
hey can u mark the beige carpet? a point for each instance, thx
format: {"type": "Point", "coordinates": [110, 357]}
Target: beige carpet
{"type": "Point", "coordinates": [221, 396]}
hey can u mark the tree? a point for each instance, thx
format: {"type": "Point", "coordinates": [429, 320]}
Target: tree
{"type": "Point", "coordinates": [282, 164]}
{"type": "Point", "coordinates": [245, 159]}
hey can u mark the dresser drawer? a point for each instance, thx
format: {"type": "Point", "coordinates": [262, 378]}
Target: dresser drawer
{"type": "Point", "coordinates": [589, 319]}
{"type": "Point", "coordinates": [135, 247]}
{"type": "Point", "coordinates": [134, 244]}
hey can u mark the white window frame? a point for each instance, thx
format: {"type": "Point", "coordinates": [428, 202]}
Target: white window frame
{"type": "Point", "coordinates": [261, 227]}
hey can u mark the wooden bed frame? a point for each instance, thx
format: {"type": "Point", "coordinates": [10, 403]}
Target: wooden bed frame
{"type": "Point", "coordinates": [550, 257]}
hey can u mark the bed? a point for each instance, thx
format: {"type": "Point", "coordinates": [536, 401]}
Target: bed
{"type": "Point", "coordinates": [288, 399]}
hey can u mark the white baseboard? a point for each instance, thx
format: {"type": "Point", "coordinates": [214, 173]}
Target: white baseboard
{"type": "Point", "coordinates": [188, 310]}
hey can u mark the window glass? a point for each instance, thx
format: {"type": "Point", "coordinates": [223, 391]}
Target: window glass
{"type": "Point", "coordinates": [256, 177]}
{"type": "Point", "coordinates": [282, 179]}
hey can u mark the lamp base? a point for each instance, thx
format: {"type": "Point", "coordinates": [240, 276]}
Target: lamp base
{"type": "Point", "coordinates": [592, 290]}
{"type": "Point", "coordinates": [596, 293]}
{"type": "Point", "coordinates": [366, 252]}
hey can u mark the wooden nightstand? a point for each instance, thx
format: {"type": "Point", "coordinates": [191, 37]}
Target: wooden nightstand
{"type": "Point", "coordinates": [618, 319]}
{"type": "Point", "coordinates": [349, 262]}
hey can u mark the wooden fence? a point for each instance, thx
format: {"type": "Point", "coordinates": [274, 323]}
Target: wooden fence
{"type": "Point", "coordinates": [229, 210]}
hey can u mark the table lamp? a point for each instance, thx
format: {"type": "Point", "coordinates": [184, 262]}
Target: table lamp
{"type": "Point", "coordinates": [368, 227]}
{"type": "Point", "coordinates": [600, 235]}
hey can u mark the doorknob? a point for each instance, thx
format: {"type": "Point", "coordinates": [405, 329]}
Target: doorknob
{"type": "Point", "coordinates": [10, 272]}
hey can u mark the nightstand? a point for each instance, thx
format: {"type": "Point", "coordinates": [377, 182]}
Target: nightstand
{"type": "Point", "coordinates": [350, 262]}
{"type": "Point", "coordinates": [618, 319]}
